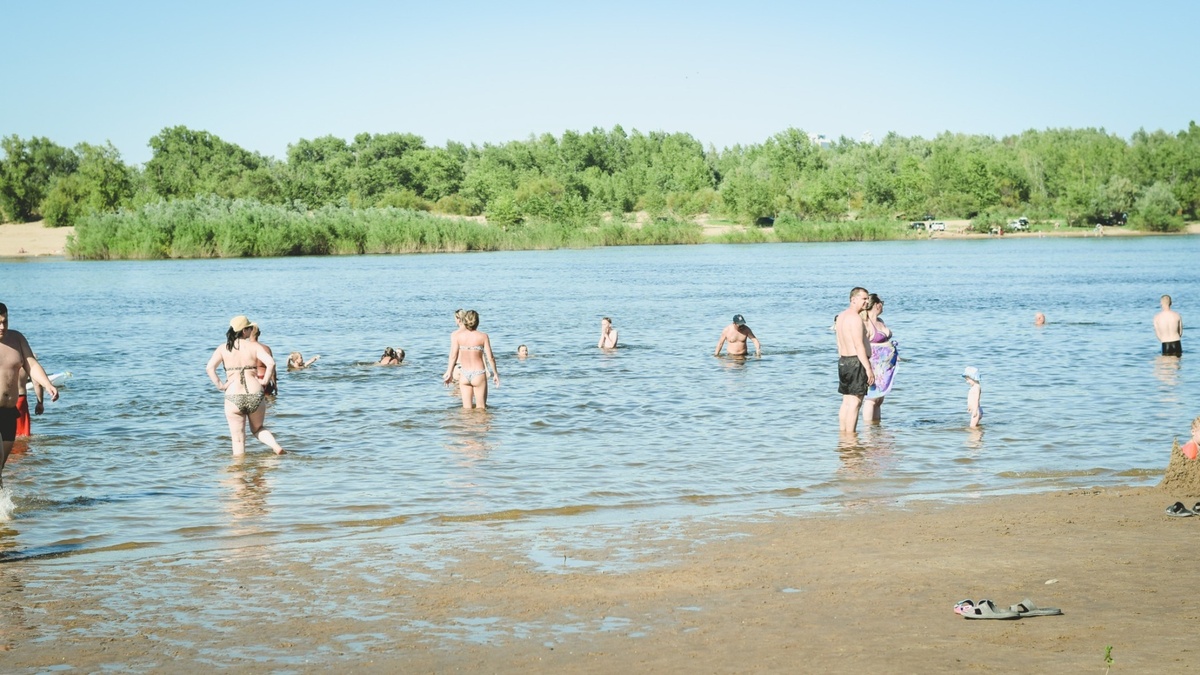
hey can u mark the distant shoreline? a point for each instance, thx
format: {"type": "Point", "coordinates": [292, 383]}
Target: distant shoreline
{"type": "Point", "coordinates": [32, 240]}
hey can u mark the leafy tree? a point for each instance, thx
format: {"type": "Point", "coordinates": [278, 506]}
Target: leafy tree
{"type": "Point", "coordinates": [1157, 210]}
{"type": "Point", "coordinates": [26, 172]}
{"type": "Point", "coordinates": [187, 163]}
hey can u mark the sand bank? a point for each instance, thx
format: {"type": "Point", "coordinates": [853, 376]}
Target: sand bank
{"type": "Point", "coordinates": [868, 590]}
{"type": "Point", "coordinates": [19, 240]}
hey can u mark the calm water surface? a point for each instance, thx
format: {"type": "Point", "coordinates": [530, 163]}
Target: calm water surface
{"type": "Point", "coordinates": [135, 461]}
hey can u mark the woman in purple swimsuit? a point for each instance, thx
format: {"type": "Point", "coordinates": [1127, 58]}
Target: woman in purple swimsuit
{"type": "Point", "coordinates": [884, 356]}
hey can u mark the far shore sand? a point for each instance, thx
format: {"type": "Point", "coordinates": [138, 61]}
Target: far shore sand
{"type": "Point", "coordinates": [869, 589]}
{"type": "Point", "coordinates": [19, 240]}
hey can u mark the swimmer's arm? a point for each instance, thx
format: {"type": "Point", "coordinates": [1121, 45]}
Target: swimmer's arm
{"type": "Point", "coordinates": [720, 343]}
{"type": "Point", "coordinates": [453, 354]}
{"type": "Point", "coordinates": [613, 332]}
{"type": "Point", "coordinates": [269, 362]}
{"type": "Point", "coordinates": [860, 350]}
{"type": "Point", "coordinates": [35, 370]}
{"type": "Point", "coordinates": [754, 338]}
{"type": "Point", "coordinates": [487, 349]}
{"type": "Point", "coordinates": [311, 361]}
{"type": "Point", "coordinates": [211, 369]}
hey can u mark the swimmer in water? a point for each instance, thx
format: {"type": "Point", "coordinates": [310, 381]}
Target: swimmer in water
{"type": "Point", "coordinates": [391, 357]}
{"type": "Point", "coordinates": [470, 347]}
{"type": "Point", "coordinates": [243, 395]}
{"type": "Point", "coordinates": [296, 361]}
{"type": "Point", "coordinates": [974, 394]}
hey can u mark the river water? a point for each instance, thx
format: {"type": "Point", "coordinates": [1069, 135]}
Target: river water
{"type": "Point", "coordinates": [134, 460]}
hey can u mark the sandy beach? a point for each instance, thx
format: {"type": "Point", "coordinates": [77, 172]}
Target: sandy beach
{"type": "Point", "coordinates": [867, 590]}
{"type": "Point", "coordinates": [19, 240]}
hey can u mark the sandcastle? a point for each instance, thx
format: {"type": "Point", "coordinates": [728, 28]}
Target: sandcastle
{"type": "Point", "coordinates": [1182, 478]}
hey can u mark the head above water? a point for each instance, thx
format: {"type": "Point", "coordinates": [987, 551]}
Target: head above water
{"type": "Point", "coordinates": [470, 319]}
{"type": "Point", "coordinates": [1165, 300]}
{"type": "Point", "coordinates": [522, 351]}
{"type": "Point", "coordinates": [739, 320]}
{"type": "Point", "coordinates": [1039, 319]}
{"type": "Point", "coordinates": [971, 373]}
{"type": "Point", "coordinates": [458, 315]}
{"type": "Point", "coordinates": [859, 298]}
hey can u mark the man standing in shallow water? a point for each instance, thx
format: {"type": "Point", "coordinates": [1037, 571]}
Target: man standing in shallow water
{"type": "Point", "coordinates": [855, 374]}
{"type": "Point", "coordinates": [15, 354]}
{"type": "Point", "coordinates": [1168, 326]}
{"type": "Point", "coordinates": [736, 334]}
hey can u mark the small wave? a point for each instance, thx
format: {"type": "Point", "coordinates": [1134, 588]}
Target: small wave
{"type": "Point", "coordinates": [1052, 474]}
{"type": "Point", "coordinates": [518, 514]}
{"type": "Point", "coordinates": [6, 505]}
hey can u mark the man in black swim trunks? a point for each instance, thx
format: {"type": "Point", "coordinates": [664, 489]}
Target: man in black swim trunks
{"type": "Point", "coordinates": [1168, 326]}
{"type": "Point", "coordinates": [15, 354]}
{"type": "Point", "coordinates": [855, 374]}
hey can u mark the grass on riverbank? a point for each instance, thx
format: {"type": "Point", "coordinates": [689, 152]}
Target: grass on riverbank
{"type": "Point", "coordinates": [212, 227]}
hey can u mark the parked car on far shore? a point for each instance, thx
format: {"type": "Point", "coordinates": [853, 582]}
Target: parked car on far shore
{"type": "Point", "coordinates": [1019, 225]}
{"type": "Point", "coordinates": [937, 226]}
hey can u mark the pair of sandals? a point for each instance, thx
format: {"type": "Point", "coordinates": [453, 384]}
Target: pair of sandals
{"type": "Point", "coordinates": [1180, 511]}
{"type": "Point", "coordinates": [985, 609]}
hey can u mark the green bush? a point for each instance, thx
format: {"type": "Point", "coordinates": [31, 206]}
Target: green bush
{"type": "Point", "coordinates": [1157, 210]}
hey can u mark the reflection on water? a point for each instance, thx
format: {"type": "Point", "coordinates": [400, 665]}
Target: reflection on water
{"type": "Point", "coordinates": [248, 486]}
{"type": "Point", "coordinates": [1166, 369]}
{"type": "Point", "coordinates": [134, 460]}
{"type": "Point", "coordinates": [974, 439]}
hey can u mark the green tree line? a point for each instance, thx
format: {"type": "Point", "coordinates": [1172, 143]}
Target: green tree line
{"type": "Point", "coordinates": [1081, 175]}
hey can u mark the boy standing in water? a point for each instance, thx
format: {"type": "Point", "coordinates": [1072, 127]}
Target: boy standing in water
{"type": "Point", "coordinates": [971, 375]}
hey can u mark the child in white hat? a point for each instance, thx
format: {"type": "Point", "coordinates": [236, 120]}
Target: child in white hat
{"type": "Point", "coordinates": [971, 375]}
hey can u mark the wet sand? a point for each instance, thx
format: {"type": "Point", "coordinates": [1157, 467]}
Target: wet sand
{"type": "Point", "coordinates": [867, 590]}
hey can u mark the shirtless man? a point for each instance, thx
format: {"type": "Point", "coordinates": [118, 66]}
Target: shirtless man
{"type": "Point", "coordinates": [15, 354]}
{"type": "Point", "coordinates": [608, 334]}
{"type": "Point", "coordinates": [1168, 326]}
{"type": "Point", "coordinates": [855, 374]}
{"type": "Point", "coordinates": [736, 335]}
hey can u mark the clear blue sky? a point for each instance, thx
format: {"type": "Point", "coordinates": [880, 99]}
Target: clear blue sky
{"type": "Point", "coordinates": [265, 74]}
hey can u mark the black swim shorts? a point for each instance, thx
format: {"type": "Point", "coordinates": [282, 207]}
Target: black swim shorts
{"type": "Point", "coordinates": [852, 377]}
{"type": "Point", "coordinates": [8, 424]}
{"type": "Point", "coordinates": [1173, 348]}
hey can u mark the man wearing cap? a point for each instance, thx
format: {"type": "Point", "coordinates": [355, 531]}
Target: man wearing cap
{"type": "Point", "coordinates": [736, 335]}
{"type": "Point", "coordinates": [15, 354]}
{"type": "Point", "coordinates": [855, 374]}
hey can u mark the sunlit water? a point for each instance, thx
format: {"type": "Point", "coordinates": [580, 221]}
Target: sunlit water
{"type": "Point", "coordinates": [135, 459]}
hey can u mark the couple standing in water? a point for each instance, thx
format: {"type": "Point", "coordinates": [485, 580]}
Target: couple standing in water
{"type": "Point", "coordinates": [867, 358]}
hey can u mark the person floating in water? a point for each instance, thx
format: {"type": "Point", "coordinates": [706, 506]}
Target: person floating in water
{"type": "Point", "coordinates": [296, 361]}
{"type": "Point", "coordinates": [15, 354]}
{"type": "Point", "coordinates": [391, 357]}
{"type": "Point", "coordinates": [522, 352]}
{"type": "Point", "coordinates": [736, 334]}
{"type": "Point", "coordinates": [974, 395]}
{"type": "Point", "coordinates": [608, 334]}
{"type": "Point", "coordinates": [1168, 326]}
{"type": "Point", "coordinates": [855, 374]}
{"type": "Point", "coordinates": [243, 395]}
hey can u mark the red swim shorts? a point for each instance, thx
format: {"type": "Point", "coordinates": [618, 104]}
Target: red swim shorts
{"type": "Point", "coordinates": [22, 416]}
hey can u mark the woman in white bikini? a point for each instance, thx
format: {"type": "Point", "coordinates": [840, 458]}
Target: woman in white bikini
{"type": "Point", "coordinates": [468, 347]}
{"type": "Point", "coordinates": [243, 395]}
